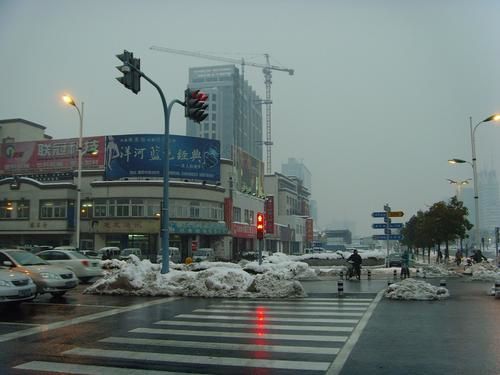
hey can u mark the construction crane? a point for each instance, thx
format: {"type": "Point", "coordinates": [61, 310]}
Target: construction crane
{"type": "Point", "coordinates": [266, 69]}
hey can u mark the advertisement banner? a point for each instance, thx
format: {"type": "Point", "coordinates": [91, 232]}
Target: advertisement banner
{"type": "Point", "coordinates": [269, 211]}
{"type": "Point", "coordinates": [309, 230]}
{"type": "Point", "coordinates": [141, 155]}
{"type": "Point", "coordinates": [36, 157]}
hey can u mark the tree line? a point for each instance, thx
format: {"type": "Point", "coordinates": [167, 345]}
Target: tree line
{"type": "Point", "coordinates": [442, 223]}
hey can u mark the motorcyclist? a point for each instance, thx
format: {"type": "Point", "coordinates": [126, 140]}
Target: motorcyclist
{"type": "Point", "coordinates": [356, 260]}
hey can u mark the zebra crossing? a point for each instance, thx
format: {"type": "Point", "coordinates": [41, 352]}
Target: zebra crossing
{"type": "Point", "coordinates": [226, 337]}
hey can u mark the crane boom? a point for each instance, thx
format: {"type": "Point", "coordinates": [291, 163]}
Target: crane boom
{"type": "Point", "coordinates": [266, 69]}
{"type": "Point", "coordinates": [223, 59]}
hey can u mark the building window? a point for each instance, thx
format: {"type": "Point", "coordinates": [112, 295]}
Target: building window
{"type": "Point", "coordinates": [53, 209]}
{"type": "Point", "coordinates": [23, 209]}
{"type": "Point", "coordinates": [237, 214]}
{"type": "Point", "coordinates": [100, 208]}
{"type": "Point", "coordinates": [214, 116]}
{"type": "Point", "coordinates": [6, 209]}
{"type": "Point", "coordinates": [252, 217]}
{"type": "Point", "coordinates": [214, 107]}
{"type": "Point", "coordinates": [122, 207]}
{"type": "Point", "coordinates": [194, 210]}
{"type": "Point", "coordinates": [137, 207]}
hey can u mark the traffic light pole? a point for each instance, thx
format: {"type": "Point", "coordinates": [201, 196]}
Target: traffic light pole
{"type": "Point", "coordinates": [260, 252]}
{"type": "Point", "coordinates": [166, 171]}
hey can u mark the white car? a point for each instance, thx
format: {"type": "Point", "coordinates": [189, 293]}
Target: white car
{"type": "Point", "coordinates": [126, 253]}
{"type": "Point", "coordinates": [15, 287]}
{"type": "Point", "coordinates": [47, 277]}
{"type": "Point", "coordinates": [203, 254]}
{"type": "Point", "coordinates": [83, 267]}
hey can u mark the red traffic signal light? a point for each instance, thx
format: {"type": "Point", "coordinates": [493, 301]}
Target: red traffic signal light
{"type": "Point", "coordinates": [260, 225]}
{"type": "Point", "coordinates": [194, 105]}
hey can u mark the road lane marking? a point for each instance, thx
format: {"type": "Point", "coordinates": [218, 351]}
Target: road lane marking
{"type": "Point", "coordinates": [270, 336]}
{"type": "Point", "coordinates": [70, 368]}
{"type": "Point", "coordinates": [289, 312]}
{"type": "Point", "coordinates": [340, 360]}
{"type": "Point", "coordinates": [72, 305]}
{"type": "Point", "coordinates": [223, 346]}
{"type": "Point", "coordinates": [268, 318]}
{"type": "Point", "coordinates": [291, 308]}
{"type": "Point", "coordinates": [200, 360]}
{"type": "Point", "coordinates": [297, 303]}
{"type": "Point", "coordinates": [258, 324]}
{"type": "Point", "coordinates": [81, 319]}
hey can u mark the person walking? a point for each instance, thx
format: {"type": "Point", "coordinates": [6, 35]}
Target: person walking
{"type": "Point", "coordinates": [405, 264]}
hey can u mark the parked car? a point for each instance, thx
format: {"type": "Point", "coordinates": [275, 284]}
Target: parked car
{"type": "Point", "coordinates": [126, 253]}
{"type": "Point", "coordinates": [394, 260]}
{"type": "Point", "coordinates": [203, 254]}
{"type": "Point", "coordinates": [92, 254]}
{"type": "Point", "coordinates": [64, 248]}
{"type": "Point", "coordinates": [84, 267]}
{"type": "Point", "coordinates": [109, 252]}
{"type": "Point", "coordinates": [175, 255]}
{"type": "Point", "coordinates": [15, 287]}
{"type": "Point", "coordinates": [47, 277]}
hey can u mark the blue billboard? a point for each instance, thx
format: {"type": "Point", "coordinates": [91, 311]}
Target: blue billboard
{"type": "Point", "coordinates": [141, 156]}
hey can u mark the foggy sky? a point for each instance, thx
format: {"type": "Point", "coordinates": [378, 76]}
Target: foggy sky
{"type": "Point", "coordinates": [380, 99]}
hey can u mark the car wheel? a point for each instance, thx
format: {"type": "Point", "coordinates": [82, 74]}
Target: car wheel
{"type": "Point", "coordinates": [85, 280]}
{"type": "Point", "coordinates": [58, 294]}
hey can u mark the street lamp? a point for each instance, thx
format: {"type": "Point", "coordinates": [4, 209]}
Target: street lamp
{"type": "Point", "coordinates": [494, 117]}
{"type": "Point", "coordinates": [458, 184]}
{"type": "Point", "coordinates": [69, 100]}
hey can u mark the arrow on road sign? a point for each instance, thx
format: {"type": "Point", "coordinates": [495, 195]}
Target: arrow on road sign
{"type": "Point", "coordinates": [395, 213]}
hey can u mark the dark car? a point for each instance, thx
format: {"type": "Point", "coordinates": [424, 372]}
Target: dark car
{"type": "Point", "coordinates": [394, 260]}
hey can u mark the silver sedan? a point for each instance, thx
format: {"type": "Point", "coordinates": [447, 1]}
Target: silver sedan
{"type": "Point", "coordinates": [48, 278]}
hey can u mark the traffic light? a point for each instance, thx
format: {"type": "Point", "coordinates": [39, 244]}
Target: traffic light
{"type": "Point", "coordinates": [131, 69]}
{"type": "Point", "coordinates": [194, 105]}
{"type": "Point", "coordinates": [260, 225]}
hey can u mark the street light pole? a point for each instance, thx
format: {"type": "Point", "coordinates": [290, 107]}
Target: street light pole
{"type": "Point", "coordinates": [494, 117]}
{"type": "Point", "coordinates": [69, 100]}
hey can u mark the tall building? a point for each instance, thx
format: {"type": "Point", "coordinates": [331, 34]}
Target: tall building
{"type": "Point", "coordinates": [235, 119]}
{"type": "Point", "coordinates": [297, 168]}
{"type": "Point", "coordinates": [489, 205]}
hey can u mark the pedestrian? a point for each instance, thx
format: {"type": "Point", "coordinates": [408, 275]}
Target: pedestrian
{"type": "Point", "coordinates": [458, 257]}
{"type": "Point", "coordinates": [356, 261]}
{"type": "Point", "coordinates": [439, 258]}
{"type": "Point", "coordinates": [405, 264]}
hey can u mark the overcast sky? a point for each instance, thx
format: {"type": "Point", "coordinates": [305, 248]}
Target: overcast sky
{"type": "Point", "coordinates": [380, 99]}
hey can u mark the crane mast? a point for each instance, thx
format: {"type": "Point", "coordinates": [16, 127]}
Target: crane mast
{"type": "Point", "coordinates": [266, 69]}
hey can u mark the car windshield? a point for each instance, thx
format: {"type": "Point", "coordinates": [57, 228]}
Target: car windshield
{"type": "Point", "coordinates": [26, 259]}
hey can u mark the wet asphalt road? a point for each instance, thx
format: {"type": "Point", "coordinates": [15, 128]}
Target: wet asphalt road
{"type": "Point", "coordinates": [460, 335]}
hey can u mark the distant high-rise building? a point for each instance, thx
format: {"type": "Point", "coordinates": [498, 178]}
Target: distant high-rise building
{"type": "Point", "coordinates": [297, 169]}
{"type": "Point", "coordinates": [234, 118]}
{"type": "Point", "coordinates": [489, 205]}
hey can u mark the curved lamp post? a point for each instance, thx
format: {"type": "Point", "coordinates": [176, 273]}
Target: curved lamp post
{"type": "Point", "coordinates": [494, 117]}
{"type": "Point", "coordinates": [458, 185]}
{"type": "Point", "coordinates": [70, 101]}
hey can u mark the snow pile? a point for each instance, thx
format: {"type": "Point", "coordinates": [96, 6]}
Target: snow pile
{"type": "Point", "coordinates": [143, 278]}
{"type": "Point", "coordinates": [411, 289]}
{"type": "Point", "coordinates": [485, 271]}
{"type": "Point", "coordinates": [435, 270]}
{"type": "Point", "coordinates": [282, 265]}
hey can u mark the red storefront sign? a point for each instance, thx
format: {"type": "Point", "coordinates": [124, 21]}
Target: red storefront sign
{"type": "Point", "coordinates": [269, 211]}
{"type": "Point", "coordinates": [309, 230]}
{"type": "Point", "coordinates": [51, 155]}
{"type": "Point", "coordinates": [241, 230]}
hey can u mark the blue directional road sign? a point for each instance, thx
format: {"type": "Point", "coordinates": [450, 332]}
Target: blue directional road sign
{"type": "Point", "coordinates": [385, 225]}
{"type": "Point", "coordinates": [384, 237]}
{"type": "Point", "coordinates": [379, 214]}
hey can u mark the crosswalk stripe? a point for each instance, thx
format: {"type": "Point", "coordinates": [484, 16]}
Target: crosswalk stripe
{"type": "Point", "coordinates": [332, 299]}
{"type": "Point", "coordinates": [296, 303]}
{"type": "Point", "coordinates": [200, 360]}
{"type": "Point", "coordinates": [71, 368]}
{"type": "Point", "coordinates": [256, 325]}
{"type": "Point", "coordinates": [291, 308]}
{"type": "Point", "coordinates": [270, 336]}
{"type": "Point", "coordinates": [289, 312]}
{"type": "Point", "coordinates": [268, 318]}
{"type": "Point", "coordinates": [223, 346]}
